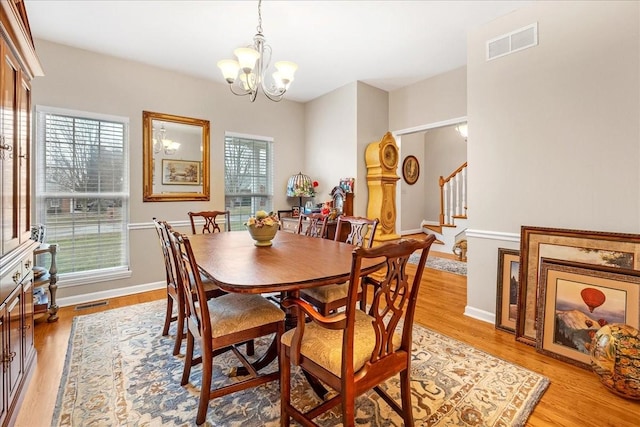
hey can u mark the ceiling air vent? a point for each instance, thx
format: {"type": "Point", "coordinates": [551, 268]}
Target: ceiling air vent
{"type": "Point", "coordinates": [514, 41]}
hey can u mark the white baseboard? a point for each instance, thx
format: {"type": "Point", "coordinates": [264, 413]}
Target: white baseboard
{"type": "Point", "coordinates": [475, 313]}
{"type": "Point", "coordinates": [111, 293]}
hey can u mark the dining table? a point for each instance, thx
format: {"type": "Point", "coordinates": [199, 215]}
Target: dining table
{"type": "Point", "coordinates": [293, 262]}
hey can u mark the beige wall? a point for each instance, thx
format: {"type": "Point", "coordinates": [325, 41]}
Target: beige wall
{"type": "Point", "coordinates": [86, 81]}
{"type": "Point", "coordinates": [330, 139]}
{"type": "Point", "coordinates": [339, 126]}
{"type": "Point", "coordinates": [554, 131]}
{"type": "Point", "coordinates": [372, 124]}
{"type": "Point", "coordinates": [436, 99]}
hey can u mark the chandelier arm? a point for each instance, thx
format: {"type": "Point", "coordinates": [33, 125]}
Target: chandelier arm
{"type": "Point", "coordinates": [243, 93]}
{"type": "Point", "coordinates": [273, 97]}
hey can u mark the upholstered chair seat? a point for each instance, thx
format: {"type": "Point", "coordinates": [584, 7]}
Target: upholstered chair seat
{"type": "Point", "coordinates": [233, 313]}
{"type": "Point", "coordinates": [328, 293]}
{"type": "Point", "coordinates": [324, 346]}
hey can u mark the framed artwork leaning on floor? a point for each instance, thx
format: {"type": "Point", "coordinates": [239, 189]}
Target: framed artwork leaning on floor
{"type": "Point", "coordinates": [507, 289]}
{"type": "Point", "coordinates": [578, 299]}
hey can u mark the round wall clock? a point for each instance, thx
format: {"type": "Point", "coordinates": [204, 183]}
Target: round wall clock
{"type": "Point", "coordinates": [390, 156]}
{"type": "Point", "coordinates": [410, 169]}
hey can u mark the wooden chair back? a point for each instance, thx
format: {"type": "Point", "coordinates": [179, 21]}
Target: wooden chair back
{"type": "Point", "coordinates": [174, 292]}
{"type": "Point", "coordinates": [313, 225]}
{"type": "Point", "coordinates": [192, 287]}
{"type": "Point", "coordinates": [230, 326]}
{"type": "Point", "coordinates": [361, 230]}
{"type": "Point", "coordinates": [394, 299]}
{"type": "Point", "coordinates": [210, 223]}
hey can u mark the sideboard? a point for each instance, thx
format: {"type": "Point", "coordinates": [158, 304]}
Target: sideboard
{"type": "Point", "coordinates": [19, 66]}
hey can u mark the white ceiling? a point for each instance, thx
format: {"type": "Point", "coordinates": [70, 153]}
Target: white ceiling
{"type": "Point", "coordinates": [387, 44]}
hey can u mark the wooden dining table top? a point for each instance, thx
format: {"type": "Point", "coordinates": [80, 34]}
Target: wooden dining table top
{"type": "Point", "coordinates": [293, 262]}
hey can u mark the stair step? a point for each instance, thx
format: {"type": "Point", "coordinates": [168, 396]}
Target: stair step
{"type": "Point", "coordinates": [436, 228]}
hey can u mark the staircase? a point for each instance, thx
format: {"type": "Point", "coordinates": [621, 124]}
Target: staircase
{"type": "Point", "coordinates": [452, 224]}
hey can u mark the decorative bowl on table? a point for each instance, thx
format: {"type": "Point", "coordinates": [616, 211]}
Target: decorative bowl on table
{"type": "Point", "coordinates": [263, 227]}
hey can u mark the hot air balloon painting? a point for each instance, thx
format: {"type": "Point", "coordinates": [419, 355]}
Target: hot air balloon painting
{"type": "Point", "coordinates": [577, 301]}
{"type": "Point", "coordinates": [593, 298]}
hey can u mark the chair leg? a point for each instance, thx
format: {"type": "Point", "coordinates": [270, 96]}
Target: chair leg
{"type": "Point", "coordinates": [348, 408]}
{"type": "Point", "coordinates": [188, 360]}
{"type": "Point", "coordinates": [405, 394]}
{"type": "Point", "coordinates": [167, 317]}
{"type": "Point", "coordinates": [205, 389]}
{"type": "Point", "coordinates": [251, 350]}
{"type": "Point", "coordinates": [285, 387]}
{"type": "Point", "coordinates": [179, 330]}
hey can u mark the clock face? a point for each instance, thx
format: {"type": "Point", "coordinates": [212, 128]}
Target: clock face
{"type": "Point", "coordinates": [390, 156]}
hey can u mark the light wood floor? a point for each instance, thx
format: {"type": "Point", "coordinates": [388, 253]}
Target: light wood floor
{"type": "Point", "coordinates": [574, 398]}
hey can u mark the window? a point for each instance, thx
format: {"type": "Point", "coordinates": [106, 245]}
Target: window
{"type": "Point", "coordinates": [82, 190]}
{"type": "Point", "coordinates": [248, 176]}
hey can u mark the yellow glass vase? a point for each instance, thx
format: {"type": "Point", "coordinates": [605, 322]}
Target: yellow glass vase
{"type": "Point", "coordinates": [262, 235]}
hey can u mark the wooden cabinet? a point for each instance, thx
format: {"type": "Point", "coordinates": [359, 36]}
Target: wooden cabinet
{"type": "Point", "coordinates": [18, 66]}
{"type": "Point", "coordinates": [17, 352]}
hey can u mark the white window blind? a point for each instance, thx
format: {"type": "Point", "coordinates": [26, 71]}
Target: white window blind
{"type": "Point", "coordinates": [82, 189]}
{"type": "Point", "coordinates": [248, 176]}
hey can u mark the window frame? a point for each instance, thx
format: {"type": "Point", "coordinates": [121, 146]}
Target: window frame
{"type": "Point", "coordinates": [239, 218]}
{"type": "Point", "coordinates": [42, 198]}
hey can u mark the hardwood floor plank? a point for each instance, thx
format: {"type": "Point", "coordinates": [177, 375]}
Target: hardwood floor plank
{"type": "Point", "coordinates": [574, 398]}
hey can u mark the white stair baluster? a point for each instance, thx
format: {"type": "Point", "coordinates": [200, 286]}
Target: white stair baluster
{"type": "Point", "coordinates": [446, 202]}
{"type": "Point", "coordinates": [451, 205]}
{"type": "Point", "coordinates": [464, 191]}
{"type": "Point", "coordinates": [457, 178]}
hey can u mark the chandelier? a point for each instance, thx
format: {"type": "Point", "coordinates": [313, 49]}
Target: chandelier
{"type": "Point", "coordinates": [249, 71]}
{"type": "Point", "coordinates": [162, 143]}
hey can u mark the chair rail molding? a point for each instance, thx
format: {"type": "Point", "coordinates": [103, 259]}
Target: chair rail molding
{"type": "Point", "coordinates": [493, 235]}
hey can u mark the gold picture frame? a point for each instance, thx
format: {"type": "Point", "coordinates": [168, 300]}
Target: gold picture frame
{"type": "Point", "coordinates": [507, 289]}
{"type": "Point", "coordinates": [410, 169]}
{"type": "Point", "coordinates": [576, 300]}
{"type": "Point", "coordinates": [617, 250]}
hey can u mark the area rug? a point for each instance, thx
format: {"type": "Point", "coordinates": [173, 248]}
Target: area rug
{"type": "Point", "coordinates": [444, 264]}
{"type": "Point", "coordinates": [119, 370]}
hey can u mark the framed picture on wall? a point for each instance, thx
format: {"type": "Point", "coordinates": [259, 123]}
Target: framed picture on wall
{"type": "Point", "coordinates": [410, 169]}
{"type": "Point", "coordinates": [180, 172]}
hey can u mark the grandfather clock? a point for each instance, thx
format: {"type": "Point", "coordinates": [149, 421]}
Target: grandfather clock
{"type": "Point", "coordinates": [382, 162]}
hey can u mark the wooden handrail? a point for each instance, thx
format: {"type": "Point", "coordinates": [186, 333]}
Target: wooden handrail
{"type": "Point", "coordinates": [454, 173]}
{"type": "Point", "coordinates": [442, 182]}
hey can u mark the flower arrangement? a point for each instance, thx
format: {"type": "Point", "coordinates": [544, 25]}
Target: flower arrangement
{"type": "Point", "coordinates": [262, 219]}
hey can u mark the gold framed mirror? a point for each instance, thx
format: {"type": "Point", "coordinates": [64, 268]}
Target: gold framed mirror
{"type": "Point", "coordinates": [175, 157]}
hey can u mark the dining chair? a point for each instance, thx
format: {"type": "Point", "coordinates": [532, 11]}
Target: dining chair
{"type": "Point", "coordinates": [174, 292]}
{"type": "Point", "coordinates": [360, 233]}
{"type": "Point", "coordinates": [358, 349]}
{"type": "Point", "coordinates": [210, 223]}
{"type": "Point", "coordinates": [219, 325]}
{"type": "Point", "coordinates": [312, 225]}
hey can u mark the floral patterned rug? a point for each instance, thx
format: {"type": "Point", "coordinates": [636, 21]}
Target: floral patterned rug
{"type": "Point", "coordinates": [444, 264]}
{"type": "Point", "coordinates": [119, 370]}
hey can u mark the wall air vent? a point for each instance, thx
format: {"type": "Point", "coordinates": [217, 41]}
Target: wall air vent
{"type": "Point", "coordinates": [514, 41]}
